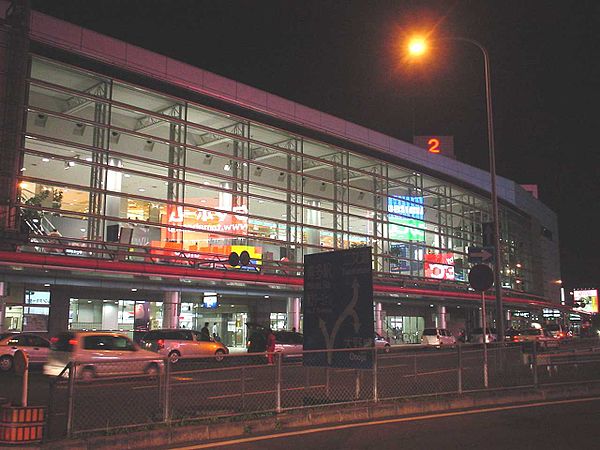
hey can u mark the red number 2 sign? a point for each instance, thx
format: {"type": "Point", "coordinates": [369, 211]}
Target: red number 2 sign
{"type": "Point", "coordinates": [434, 145]}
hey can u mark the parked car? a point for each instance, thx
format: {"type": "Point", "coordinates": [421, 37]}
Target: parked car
{"type": "Point", "coordinates": [558, 331]}
{"type": "Point", "coordinates": [182, 344]}
{"type": "Point", "coordinates": [437, 337]}
{"type": "Point", "coordinates": [35, 346]}
{"type": "Point", "coordinates": [476, 336]}
{"type": "Point", "coordinates": [98, 354]}
{"type": "Point", "coordinates": [382, 343]}
{"type": "Point", "coordinates": [541, 337]}
{"type": "Point", "coordinates": [512, 335]}
{"type": "Point", "coordinates": [289, 343]}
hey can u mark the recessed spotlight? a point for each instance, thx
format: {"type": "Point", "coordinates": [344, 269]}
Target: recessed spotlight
{"type": "Point", "coordinates": [133, 289]}
{"type": "Point", "coordinates": [126, 175]}
{"type": "Point", "coordinates": [141, 190]}
{"type": "Point", "coordinates": [47, 285]}
{"type": "Point", "coordinates": [45, 159]}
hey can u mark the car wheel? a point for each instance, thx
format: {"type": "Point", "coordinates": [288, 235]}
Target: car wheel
{"type": "Point", "coordinates": [174, 357]}
{"type": "Point", "coordinates": [387, 348]}
{"type": "Point", "coordinates": [219, 355]}
{"type": "Point", "coordinates": [152, 370]}
{"type": "Point", "coordinates": [87, 375]}
{"type": "Point", "coordinates": [6, 363]}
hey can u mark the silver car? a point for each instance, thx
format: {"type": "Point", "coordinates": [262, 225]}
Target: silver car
{"type": "Point", "coordinates": [99, 354]}
{"type": "Point", "coordinates": [35, 346]}
{"type": "Point", "coordinates": [382, 343]}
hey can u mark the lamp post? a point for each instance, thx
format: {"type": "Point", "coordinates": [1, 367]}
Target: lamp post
{"type": "Point", "coordinates": [418, 47]}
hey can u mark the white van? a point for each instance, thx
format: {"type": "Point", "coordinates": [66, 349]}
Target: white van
{"type": "Point", "coordinates": [437, 337]}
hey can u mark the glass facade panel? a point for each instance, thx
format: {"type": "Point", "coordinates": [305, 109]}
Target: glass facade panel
{"type": "Point", "coordinates": [188, 177]}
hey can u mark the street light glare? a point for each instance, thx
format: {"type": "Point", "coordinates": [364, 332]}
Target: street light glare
{"type": "Point", "coordinates": [417, 46]}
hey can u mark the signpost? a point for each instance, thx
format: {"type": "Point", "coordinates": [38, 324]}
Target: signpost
{"type": "Point", "coordinates": [21, 366]}
{"type": "Point", "coordinates": [481, 278]}
{"type": "Point", "coordinates": [338, 308]}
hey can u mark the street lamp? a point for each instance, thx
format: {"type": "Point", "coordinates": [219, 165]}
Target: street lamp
{"type": "Point", "coordinates": [417, 47]}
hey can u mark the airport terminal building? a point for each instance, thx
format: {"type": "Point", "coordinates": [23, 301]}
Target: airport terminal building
{"type": "Point", "coordinates": [128, 178]}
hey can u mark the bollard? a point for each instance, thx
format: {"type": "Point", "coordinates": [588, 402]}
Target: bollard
{"type": "Point", "coordinates": [375, 379]}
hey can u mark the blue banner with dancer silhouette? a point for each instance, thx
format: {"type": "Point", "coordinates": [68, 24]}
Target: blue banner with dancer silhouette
{"type": "Point", "coordinates": [338, 308]}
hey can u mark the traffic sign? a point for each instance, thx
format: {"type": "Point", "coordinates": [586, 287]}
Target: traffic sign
{"type": "Point", "coordinates": [478, 255]}
{"type": "Point", "coordinates": [481, 277]}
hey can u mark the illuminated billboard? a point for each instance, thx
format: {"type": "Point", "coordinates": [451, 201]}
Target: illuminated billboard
{"type": "Point", "coordinates": [586, 300]}
{"type": "Point", "coordinates": [406, 214]}
{"type": "Point", "coordinates": [439, 266]}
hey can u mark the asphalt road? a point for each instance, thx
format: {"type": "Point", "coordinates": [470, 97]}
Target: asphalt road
{"type": "Point", "coordinates": [565, 425]}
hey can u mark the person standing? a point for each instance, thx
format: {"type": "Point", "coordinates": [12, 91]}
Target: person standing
{"type": "Point", "coordinates": [215, 332]}
{"type": "Point", "coordinates": [270, 345]}
{"type": "Point", "coordinates": [204, 332]}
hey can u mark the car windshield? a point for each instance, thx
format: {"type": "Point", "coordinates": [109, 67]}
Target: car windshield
{"type": "Point", "coordinates": [553, 327]}
{"type": "Point", "coordinates": [532, 332]}
{"type": "Point", "coordinates": [429, 332]}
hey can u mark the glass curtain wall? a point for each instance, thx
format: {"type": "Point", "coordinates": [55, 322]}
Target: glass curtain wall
{"type": "Point", "coordinates": [188, 180]}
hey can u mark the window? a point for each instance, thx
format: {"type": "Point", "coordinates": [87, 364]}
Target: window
{"type": "Point", "coordinates": [101, 342]}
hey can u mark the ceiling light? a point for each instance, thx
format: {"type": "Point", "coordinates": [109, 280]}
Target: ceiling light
{"type": "Point", "coordinates": [45, 159]}
{"type": "Point", "coordinates": [227, 167]}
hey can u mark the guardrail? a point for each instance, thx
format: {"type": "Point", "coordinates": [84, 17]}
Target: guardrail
{"type": "Point", "coordinates": [122, 395]}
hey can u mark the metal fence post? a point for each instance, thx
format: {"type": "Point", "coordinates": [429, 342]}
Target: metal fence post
{"type": "Point", "coordinates": [278, 369]}
{"type": "Point", "coordinates": [375, 379]}
{"type": "Point", "coordinates": [71, 400]}
{"type": "Point", "coordinates": [167, 393]}
{"type": "Point", "coordinates": [534, 364]}
{"type": "Point", "coordinates": [459, 369]}
{"type": "Point", "coordinates": [243, 388]}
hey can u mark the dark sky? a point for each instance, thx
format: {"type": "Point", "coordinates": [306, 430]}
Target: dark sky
{"type": "Point", "coordinates": [344, 57]}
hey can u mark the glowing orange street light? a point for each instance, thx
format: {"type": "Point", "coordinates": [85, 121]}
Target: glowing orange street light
{"type": "Point", "coordinates": [417, 46]}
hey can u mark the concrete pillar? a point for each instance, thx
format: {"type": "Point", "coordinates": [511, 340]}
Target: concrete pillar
{"type": "Point", "coordinates": [293, 313]}
{"type": "Point", "coordinates": [171, 306]}
{"type": "Point", "coordinates": [378, 319]}
{"type": "Point", "coordinates": [58, 318]}
{"type": "Point", "coordinates": [441, 317]}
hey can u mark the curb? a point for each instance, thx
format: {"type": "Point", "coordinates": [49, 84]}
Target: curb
{"type": "Point", "coordinates": [333, 415]}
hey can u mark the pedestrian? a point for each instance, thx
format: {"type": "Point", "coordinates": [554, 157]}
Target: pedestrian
{"type": "Point", "coordinates": [205, 333]}
{"type": "Point", "coordinates": [293, 329]}
{"type": "Point", "coordinates": [55, 240]}
{"type": "Point", "coordinates": [270, 345]}
{"type": "Point", "coordinates": [215, 332]}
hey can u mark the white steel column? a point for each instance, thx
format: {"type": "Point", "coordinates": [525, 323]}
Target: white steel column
{"type": "Point", "coordinates": [171, 309]}
{"type": "Point", "coordinates": [293, 313]}
{"type": "Point", "coordinates": [378, 319]}
{"type": "Point", "coordinates": [441, 317]}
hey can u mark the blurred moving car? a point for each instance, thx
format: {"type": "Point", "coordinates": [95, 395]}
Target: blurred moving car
{"type": "Point", "coordinates": [541, 337]}
{"type": "Point", "coordinates": [437, 337]}
{"type": "Point", "coordinates": [98, 354]}
{"type": "Point", "coordinates": [382, 343]}
{"type": "Point", "coordinates": [180, 343]}
{"type": "Point", "coordinates": [476, 336]}
{"type": "Point", "coordinates": [35, 346]}
{"type": "Point", "coordinates": [512, 335]}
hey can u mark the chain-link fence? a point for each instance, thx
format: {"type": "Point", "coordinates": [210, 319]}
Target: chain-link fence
{"type": "Point", "coordinates": [120, 394]}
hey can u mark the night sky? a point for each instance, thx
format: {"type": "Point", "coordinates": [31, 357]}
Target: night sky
{"type": "Point", "coordinates": [345, 58]}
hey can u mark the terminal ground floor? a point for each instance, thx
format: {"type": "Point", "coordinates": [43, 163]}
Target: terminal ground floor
{"type": "Point", "coordinates": [50, 308]}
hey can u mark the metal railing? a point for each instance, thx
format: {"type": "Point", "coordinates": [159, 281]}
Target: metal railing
{"type": "Point", "coordinates": [109, 396]}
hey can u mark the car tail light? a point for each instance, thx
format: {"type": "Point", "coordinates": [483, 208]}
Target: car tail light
{"type": "Point", "coordinates": [561, 335]}
{"type": "Point", "coordinates": [53, 340]}
{"type": "Point", "coordinates": [160, 344]}
{"type": "Point", "coordinates": [72, 341]}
